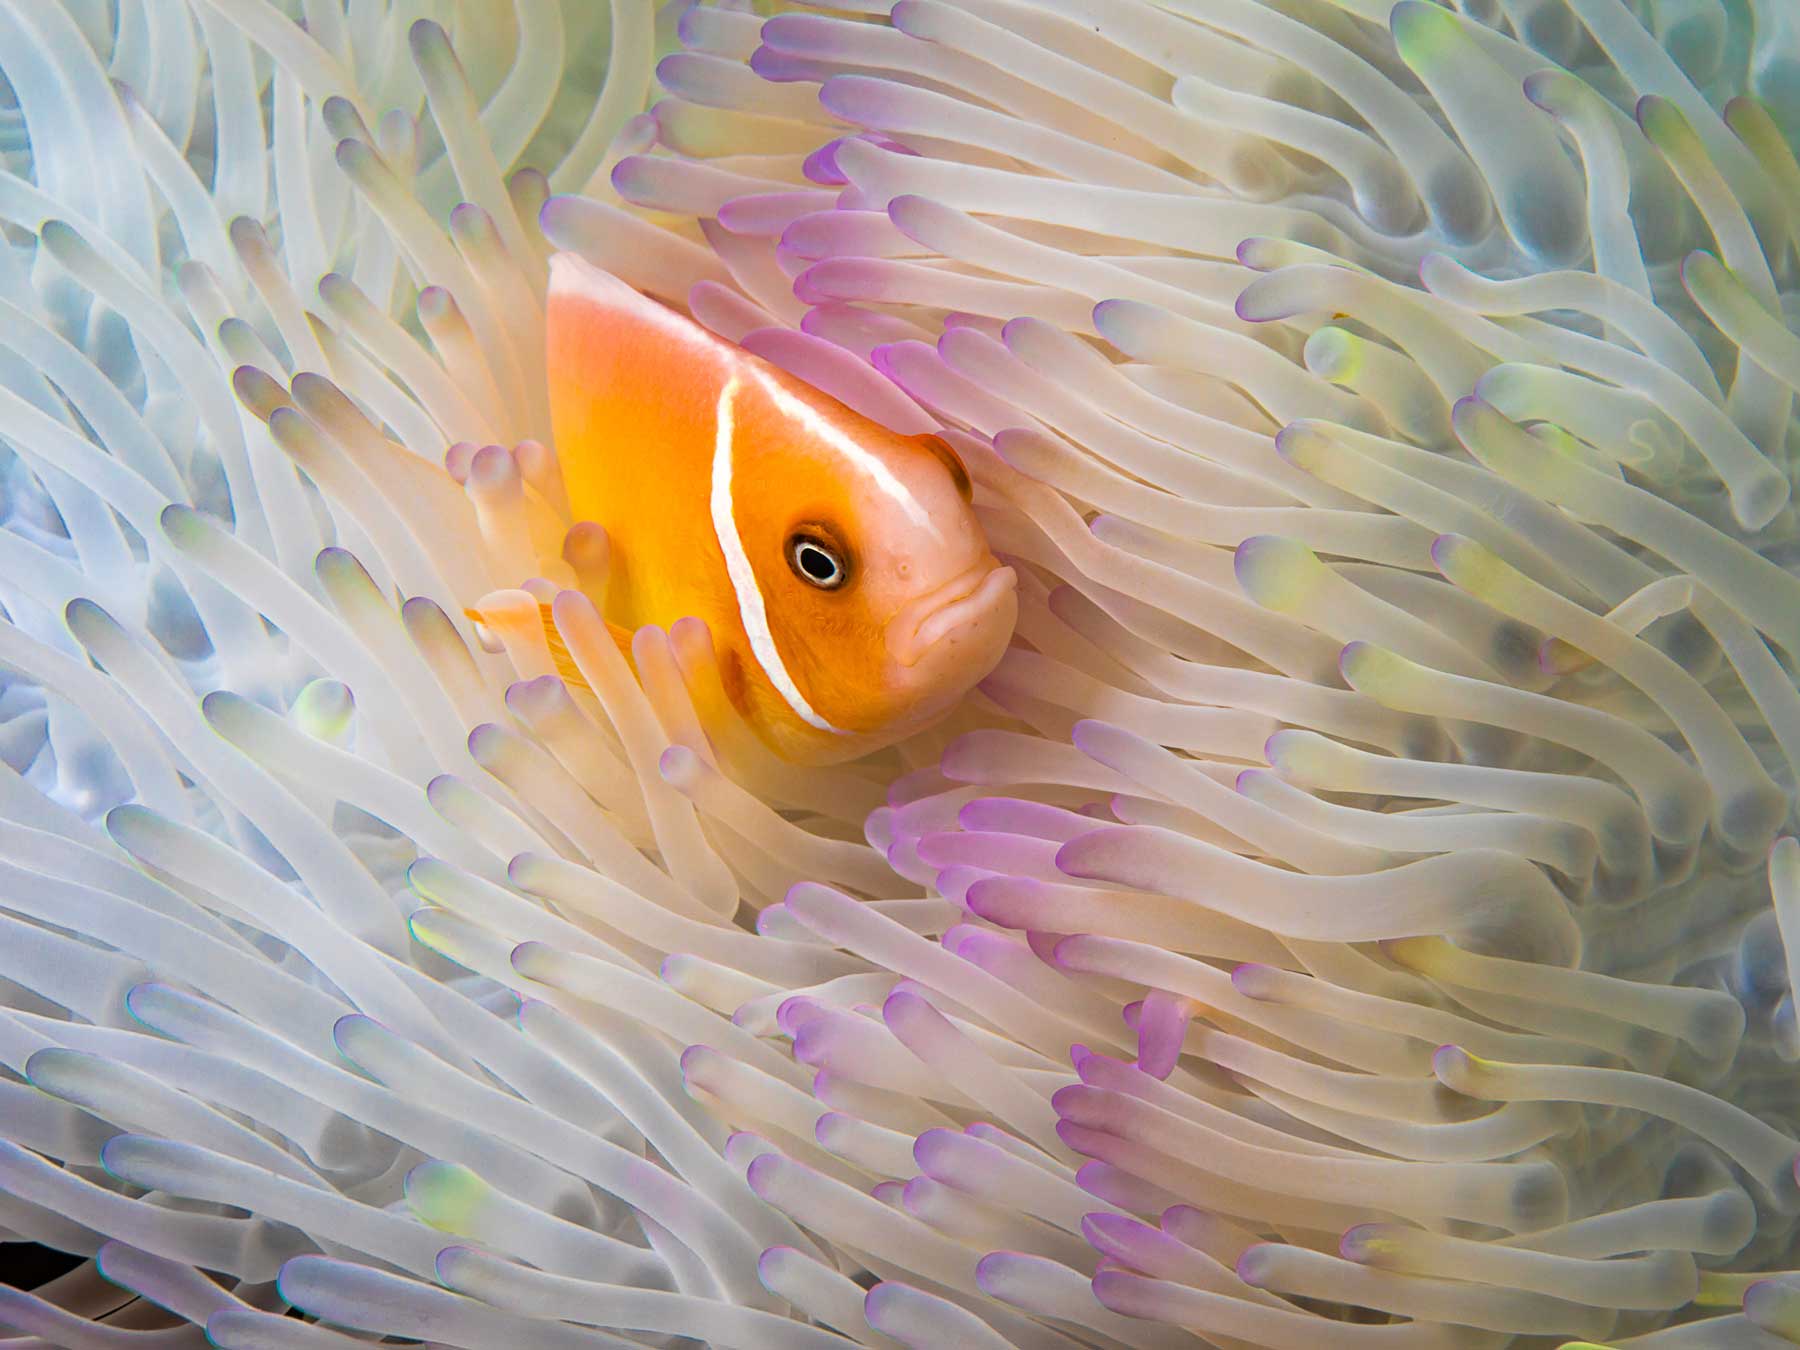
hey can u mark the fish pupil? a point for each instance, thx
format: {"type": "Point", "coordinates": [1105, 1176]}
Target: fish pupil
{"type": "Point", "coordinates": [815, 563]}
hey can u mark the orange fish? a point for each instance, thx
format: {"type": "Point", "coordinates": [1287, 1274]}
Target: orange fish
{"type": "Point", "coordinates": [849, 588]}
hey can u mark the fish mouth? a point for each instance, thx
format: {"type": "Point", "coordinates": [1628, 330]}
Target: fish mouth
{"type": "Point", "coordinates": [962, 600]}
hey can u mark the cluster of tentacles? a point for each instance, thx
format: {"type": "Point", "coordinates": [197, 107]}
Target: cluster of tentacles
{"type": "Point", "coordinates": [1354, 913]}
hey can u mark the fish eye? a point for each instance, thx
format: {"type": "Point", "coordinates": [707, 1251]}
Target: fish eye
{"type": "Point", "coordinates": [816, 562]}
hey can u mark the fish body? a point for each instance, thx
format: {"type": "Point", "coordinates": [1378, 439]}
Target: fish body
{"type": "Point", "coordinates": [849, 589]}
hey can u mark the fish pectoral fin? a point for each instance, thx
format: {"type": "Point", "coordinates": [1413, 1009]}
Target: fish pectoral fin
{"type": "Point", "coordinates": [566, 669]}
{"type": "Point", "coordinates": [559, 652]}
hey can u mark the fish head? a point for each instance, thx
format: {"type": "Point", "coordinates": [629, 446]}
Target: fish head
{"type": "Point", "coordinates": [883, 605]}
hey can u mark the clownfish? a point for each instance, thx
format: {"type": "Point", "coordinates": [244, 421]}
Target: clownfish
{"type": "Point", "coordinates": [849, 588]}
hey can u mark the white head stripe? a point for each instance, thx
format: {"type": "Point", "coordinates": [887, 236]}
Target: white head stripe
{"type": "Point", "coordinates": [737, 566]}
{"type": "Point", "coordinates": [866, 463]}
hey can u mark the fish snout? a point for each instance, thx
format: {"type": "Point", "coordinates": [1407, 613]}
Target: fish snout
{"type": "Point", "coordinates": [978, 599]}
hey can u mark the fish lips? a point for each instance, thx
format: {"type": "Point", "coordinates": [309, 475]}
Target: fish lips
{"type": "Point", "coordinates": [965, 599]}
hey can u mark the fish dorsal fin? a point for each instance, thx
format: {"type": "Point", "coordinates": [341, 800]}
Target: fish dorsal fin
{"type": "Point", "coordinates": [566, 669]}
{"type": "Point", "coordinates": [634, 388]}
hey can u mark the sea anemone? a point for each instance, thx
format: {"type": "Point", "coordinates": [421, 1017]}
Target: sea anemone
{"type": "Point", "coordinates": [1357, 910]}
